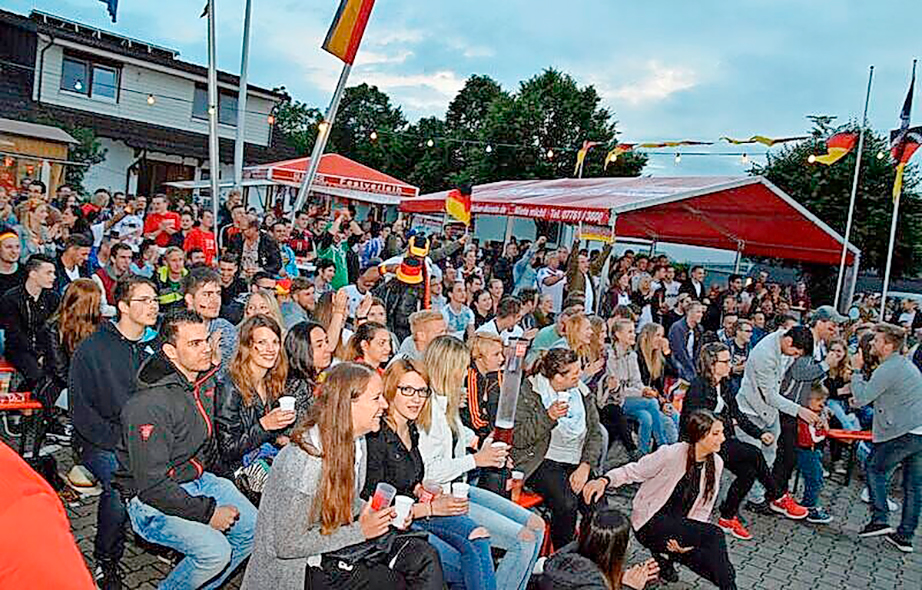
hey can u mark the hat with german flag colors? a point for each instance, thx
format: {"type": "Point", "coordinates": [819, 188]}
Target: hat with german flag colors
{"type": "Point", "coordinates": [410, 271]}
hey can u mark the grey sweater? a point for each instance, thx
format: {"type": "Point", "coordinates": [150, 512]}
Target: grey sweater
{"type": "Point", "coordinates": [284, 536]}
{"type": "Point", "coordinates": [895, 388]}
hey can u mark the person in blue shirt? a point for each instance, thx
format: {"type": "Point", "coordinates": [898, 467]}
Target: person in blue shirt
{"type": "Point", "coordinates": [281, 232]}
{"type": "Point", "coordinates": [524, 274]}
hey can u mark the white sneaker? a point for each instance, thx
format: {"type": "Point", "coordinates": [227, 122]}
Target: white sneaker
{"type": "Point", "coordinates": [892, 504]}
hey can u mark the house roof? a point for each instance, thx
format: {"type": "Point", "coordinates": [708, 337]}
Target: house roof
{"type": "Point", "coordinates": [96, 38]}
{"type": "Point", "coordinates": [35, 130]}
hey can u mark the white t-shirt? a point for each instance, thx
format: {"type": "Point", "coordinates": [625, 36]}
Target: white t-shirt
{"type": "Point", "coordinates": [72, 274]}
{"type": "Point", "coordinates": [490, 328]}
{"type": "Point", "coordinates": [555, 290]}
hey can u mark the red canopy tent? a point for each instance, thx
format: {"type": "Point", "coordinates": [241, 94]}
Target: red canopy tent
{"type": "Point", "coordinates": [745, 214]}
{"type": "Point", "coordinates": [338, 176]}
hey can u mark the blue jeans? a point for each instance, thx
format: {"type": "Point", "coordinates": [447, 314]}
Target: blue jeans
{"type": "Point", "coordinates": [848, 420]}
{"type": "Point", "coordinates": [811, 468]}
{"type": "Point", "coordinates": [211, 556]}
{"type": "Point", "coordinates": [465, 562]}
{"type": "Point", "coordinates": [507, 524]}
{"type": "Point", "coordinates": [110, 515]}
{"type": "Point", "coordinates": [647, 413]}
{"type": "Point", "coordinates": [904, 450]}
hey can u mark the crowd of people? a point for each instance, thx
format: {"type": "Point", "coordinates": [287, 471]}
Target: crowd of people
{"type": "Point", "coordinates": [319, 400]}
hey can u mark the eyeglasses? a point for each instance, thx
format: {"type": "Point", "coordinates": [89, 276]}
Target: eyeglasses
{"type": "Point", "coordinates": [145, 300]}
{"type": "Point", "coordinates": [410, 391]}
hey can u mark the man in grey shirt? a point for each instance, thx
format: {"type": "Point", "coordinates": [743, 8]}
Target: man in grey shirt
{"type": "Point", "coordinates": [895, 389]}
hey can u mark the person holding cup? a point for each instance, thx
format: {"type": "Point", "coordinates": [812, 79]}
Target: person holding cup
{"type": "Point", "coordinates": [443, 444]}
{"type": "Point", "coordinates": [394, 457]}
{"type": "Point", "coordinates": [557, 442]}
{"type": "Point", "coordinates": [311, 506]}
{"type": "Point", "coordinates": [246, 418]}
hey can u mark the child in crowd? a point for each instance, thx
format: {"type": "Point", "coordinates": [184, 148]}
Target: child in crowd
{"type": "Point", "coordinates": [810, 455]}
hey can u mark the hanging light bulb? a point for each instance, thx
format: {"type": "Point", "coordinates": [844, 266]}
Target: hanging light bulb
{"type": "Point", "coordinates": [211, 110]}
{"type": "Point", "coordinates": [550, 154]}
{"type": "Point", "coordinates": [880, 155]}
{"type": "Point", "coordinates": [78, 85]}
{"type": "Point", "coordinates": [430, 143]}
{"type": "Point", "coordinates": [322, 127]}
{"type": "Point", "coordinates": [489, 149]}
{"type": "Point", "coordinates": [811, 158]}
{"type": "Point", "coordinates": [150, 99]}
{"type": "Point", "coordinates": [744, 159]}
{"type": "Point", "coordinates": [678, 158]}
{"type": "Point", "coordinates": [374, 136]}
{"type": "Point", "coordinates": [271, 119]}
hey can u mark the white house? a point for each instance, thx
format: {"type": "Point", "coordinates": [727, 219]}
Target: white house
{"type": "Point", "coordinates": [147, 107]}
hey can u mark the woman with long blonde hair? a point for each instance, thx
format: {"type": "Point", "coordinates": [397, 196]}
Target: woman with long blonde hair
{"type": "Point", "coordinates": [263, 302]}
{"type": "Point", "coordinates": [443, 444]}
{"type": "Point", "coordinates": [246, 412]}
{"type": "Point", "coordinates": [311, 507]}
{"type": "Point", "coordinates": [37, 237]}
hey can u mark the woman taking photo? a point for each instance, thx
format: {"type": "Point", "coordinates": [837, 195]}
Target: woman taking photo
{"type": "Point", "coordinates": [245, 415]}
{"type": "Point", "coordinates": [443, 444]}
{"type": "Point", "coordinates": [596, 561]}
{"type": "Point", "coordinates": [394, 458]}
{"type": "Point", "coordinates": [370, 345]}
{"type": "Point", "coordinates": [671, 509]}
{"type": "Point", "coordinates": [709, 391]}
{"type": "Point", "coordinates": [309, 354]}
{"type": "Point", "coordinates": [311, 505]}
{"type": "Point", "coordinates": [626, 390]}
{"type": "Point", "coordinates": [557, 437]}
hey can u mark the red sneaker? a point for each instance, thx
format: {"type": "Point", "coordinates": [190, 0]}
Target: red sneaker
{"type": "Point", "coordinates": [788, 507]}
{"type": "Point", "coordinates": [734, 527]}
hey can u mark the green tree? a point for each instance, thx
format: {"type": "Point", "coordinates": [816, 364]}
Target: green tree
{"type": "Point", "coordinates": [88, 151]}
{"type": "Point", "coordinates": [296, 122]}
{"type": "Point", "coordinates": [826, 190]}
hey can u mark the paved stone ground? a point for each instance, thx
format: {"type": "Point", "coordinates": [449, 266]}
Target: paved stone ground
{"type": "Point", "coordinates": [783, 555]}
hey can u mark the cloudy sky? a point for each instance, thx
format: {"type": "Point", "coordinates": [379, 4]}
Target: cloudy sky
{"type": "Point", "coordinates": [668, 69]}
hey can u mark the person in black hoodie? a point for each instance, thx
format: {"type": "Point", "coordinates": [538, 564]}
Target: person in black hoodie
{"type": "Point", "coordinates": [267, 256]}
{"type": "Point", "coordinates": [709, 391]}
{"type": "Point", "coordinates": [100, 380]}
{"type": "Point", "coordinates": [596, 560]}
{"type": "Point", "coordinates": [23, 313]}
{"type": "Point", "coordinates": [166, 452]}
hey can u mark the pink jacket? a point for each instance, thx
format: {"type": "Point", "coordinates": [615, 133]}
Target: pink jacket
{"type": "Point", "coordinates": [659, 473]}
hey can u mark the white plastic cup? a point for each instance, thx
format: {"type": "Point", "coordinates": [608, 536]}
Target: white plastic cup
{"type": "Point", "coordinates": [287, 403]}
{"type": "Point", "coordinates": [460, 490]}
{"type": "Point", "coordinates": [402, 505]}
{"type": "Point", "coordinates": [563, 397]}
{"type": "Point", "coordinates": [500, 445]}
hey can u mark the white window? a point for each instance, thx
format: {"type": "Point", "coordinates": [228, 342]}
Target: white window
{"type": "Point", "coordinates": [94, 80]}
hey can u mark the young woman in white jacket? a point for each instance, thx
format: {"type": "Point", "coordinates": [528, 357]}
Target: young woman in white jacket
{"type": "Point", "coordinates": [443, 444]}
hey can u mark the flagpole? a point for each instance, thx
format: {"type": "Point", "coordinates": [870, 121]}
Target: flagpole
{"type": "Point", "coordinates": [322, 136]}
{"type": "Point", "coordinates": [896, 211]}
{"type": "Point", "coordinates": [214, 157]}
{"type": "Point", "coordinates": [851, 203]}
{"type": "Point", "coordinates": [242, 100]}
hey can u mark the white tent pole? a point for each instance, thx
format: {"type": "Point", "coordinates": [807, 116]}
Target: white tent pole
{"type": "Point", "coordinates": [322, 136]}
{"type": "Point", "coordinates": [242, 99]}
{"type": "Point", "coordinates": [851, 203]}
{"type": "Point", "coordinates": [739, 257]}
{"type": "Point", "coordinates": [214, 157]}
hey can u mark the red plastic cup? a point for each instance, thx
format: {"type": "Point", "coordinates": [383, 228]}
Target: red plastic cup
{"type": "Point", "coordinates": [384, 495]}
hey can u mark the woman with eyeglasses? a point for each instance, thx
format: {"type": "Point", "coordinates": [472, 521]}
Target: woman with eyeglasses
{"type": "Point", "coordinates": [709, 392]}
{"type": "Point", "coordinates": [394, 457]}
{"type": "Point", "coordinates": [312, 509]}
{"type": "Point", "coordinates": [247, 414]}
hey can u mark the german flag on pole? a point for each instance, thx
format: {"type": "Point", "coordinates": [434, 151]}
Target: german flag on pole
{"type": "Point", "coordinates": [904, 141]}
{"type": "Point", "coordinates": [581, 156]}
{"type": "Point", "coordinates": [621, 148]}
{"type": "Point", "coordinates": [836, 147]}
{"type": "Point", "coordinates": [348, 26]}
{"type": "Point", "coordinates": [458, 204]}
